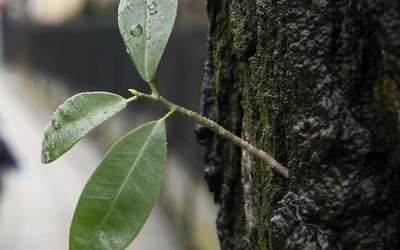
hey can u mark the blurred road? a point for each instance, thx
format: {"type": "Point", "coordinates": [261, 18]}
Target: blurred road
{"type": "Point", "coordinates": [38, 202]}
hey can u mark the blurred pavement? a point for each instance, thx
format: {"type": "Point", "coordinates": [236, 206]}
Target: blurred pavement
{"type": "Point", "coordinates": [38, 202]}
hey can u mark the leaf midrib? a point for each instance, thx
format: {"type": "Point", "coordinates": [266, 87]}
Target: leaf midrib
{"type": "Point", "coordinates": [146, 42]}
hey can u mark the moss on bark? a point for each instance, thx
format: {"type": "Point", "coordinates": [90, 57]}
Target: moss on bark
{"type": "Point", "coordinates": [314, 83]}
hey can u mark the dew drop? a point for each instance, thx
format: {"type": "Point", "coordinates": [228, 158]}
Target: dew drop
{"type": "Point", "coordinates": [55, 124]}
{"type": "Point", "coordinates": [136, 30]}
{"type": "Point", "coordinates": [47, 155]}
{"type": "Point", "coordinates": [130, 6]}
{"type": "Point", "coordinates": [52, 145]}
{"type": "Point", "coordinates": [152, 5]}
{"type": "Point", "coordinates": [64, 112]}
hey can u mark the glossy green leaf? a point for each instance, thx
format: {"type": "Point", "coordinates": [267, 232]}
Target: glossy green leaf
{"type": "Point", "coordinates": [119, 196]}
{"type": "Point", "coordinates": [75, 118]}
{"type": "Point", "coordinates": [145, 26]}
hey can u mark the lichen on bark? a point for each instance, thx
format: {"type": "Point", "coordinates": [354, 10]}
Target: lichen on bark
{"type": "Point", "coordinates": [315, 84]}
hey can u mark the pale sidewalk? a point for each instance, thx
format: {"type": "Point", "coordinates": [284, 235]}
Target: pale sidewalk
{"type": "Point", "coordinates": [38, 202]}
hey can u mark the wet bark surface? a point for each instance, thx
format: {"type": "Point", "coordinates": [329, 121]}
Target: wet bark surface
{"type": "Point", "coordinates": [315, 84]}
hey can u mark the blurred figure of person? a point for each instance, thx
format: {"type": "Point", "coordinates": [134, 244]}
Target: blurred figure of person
{"type": "Point", "coordinates": [7, 160]}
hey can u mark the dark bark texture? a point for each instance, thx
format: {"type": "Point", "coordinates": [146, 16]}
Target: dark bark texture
{"type": "Point", "coordinates": [315, 83]}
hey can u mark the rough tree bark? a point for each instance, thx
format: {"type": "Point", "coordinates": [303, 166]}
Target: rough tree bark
{"type": "Point", "coordinates": [316, 84]}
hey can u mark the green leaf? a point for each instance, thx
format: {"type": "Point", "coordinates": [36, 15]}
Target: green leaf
{"type": "Point", "coordinates": [119, 196]}
{"type": "Point", "coordinates": [145, 26]}
{"type": "Point", "coordinates": [75, 118]}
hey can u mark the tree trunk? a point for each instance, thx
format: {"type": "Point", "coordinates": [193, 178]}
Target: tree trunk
{"type": "Point", "coordinates": [316, 85]}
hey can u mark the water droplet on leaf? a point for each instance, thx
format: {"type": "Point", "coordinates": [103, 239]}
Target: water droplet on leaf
{"type": "Point", "coordinates": [52, 145]}
{"type": "Point", "coordinates": [152, 5]}
{"type": "Point", "coordinates": [47, 155]}
{"type": "Point", "coordinates": [136, 30]}
{"type": "Point", "coordinates": [55, 124]}
{"type": "Point", "coordinates": [130, 6]}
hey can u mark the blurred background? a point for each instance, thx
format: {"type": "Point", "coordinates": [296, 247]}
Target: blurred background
{"type": "Point", "coordinates": [51, 50]}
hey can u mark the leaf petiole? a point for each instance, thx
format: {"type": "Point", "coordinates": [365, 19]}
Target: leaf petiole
{"type": "Point", "coordinates": [153, 89]}
{"type": "Point", "coordinates": [132, 99]}
{"type": "Point", "coordinates": [169, 115]}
